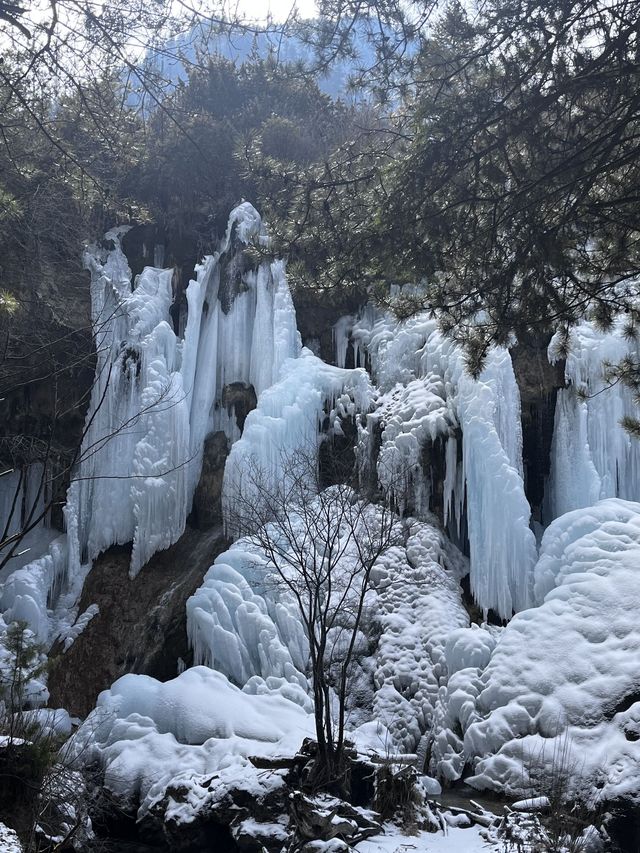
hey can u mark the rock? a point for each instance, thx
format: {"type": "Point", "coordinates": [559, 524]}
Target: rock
{"type": "Point", "coordinates": [251, 834]}
{"type": "Point", "coordinates": [318, 311]}
{"type": "Point", "coordinates": [239, 399]}
{"type": "Point", "coordinates": [323, 818]}
{"type": "Point", "coordinates": [208, 813]}
{"type": "Point", "coordinates": [538, 382]}
{"type": "Point", "coordinates": [207, 500]}
{"type": "Point", "coordinates": [141, 624]}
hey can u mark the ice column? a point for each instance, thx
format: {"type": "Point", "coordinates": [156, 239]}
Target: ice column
{"type": "Point", "coordinates": [592, 457]}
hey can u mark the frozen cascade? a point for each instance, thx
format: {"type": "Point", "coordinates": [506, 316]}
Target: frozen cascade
{"type": "Point", "coordinates": [285, 427]}
{"type": "Point", "coordinates": [256, 641]}
{"type": "Point", "coordinates": [157, 417]}
{"type": "Point", "coordinates": [427, 394]}
{"type": "Point", "coordinates": [155, 399]}
{"type": "Point", "coordinates": [592, 457]}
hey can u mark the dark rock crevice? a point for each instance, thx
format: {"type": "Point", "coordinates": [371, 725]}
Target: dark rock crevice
{"type": "Point", "coordinates": [539, 382]}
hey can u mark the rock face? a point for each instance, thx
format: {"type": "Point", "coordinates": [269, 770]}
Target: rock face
{"type": "Point", "coordinates": [207, 501]}
{"type": "Point", "coordinates": [317, 312]}
{"type": "Point", "coordinates": [141, 626]}
{"type": "Point", "coordinates": [46, 365]}
{"type": "Point", "coordinates": [239, 399]}
{"type": "Point", "coordinates": [538, 382]}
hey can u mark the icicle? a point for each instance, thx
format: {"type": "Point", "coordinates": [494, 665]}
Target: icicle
{"type": "Point", "coordinates": [341, 332]}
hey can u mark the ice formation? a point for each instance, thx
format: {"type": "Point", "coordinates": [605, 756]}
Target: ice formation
{"type": "Point", "coordinates": [435, 440]}
{"type": "Point", "coordinates": [283, 433]}
{"type": "Point", "coordinates": [560, 683]}
{"type": "Point", "coordinates": [418, 605]}
{"type": "Point", "coordinates": [252, 696]}
{"type": "Point", "coordinates": [592, 456]}
{"type": "Point", "coordinates": [244, 622]}
{"type": "Point", "coordinates": [28, 594]}
{"type": "Point", "coordinates": [245, 635]}
{"type": "Point", "coordinates": [429, 396]}
{"type": "Point", "coordinates": [155, 398]}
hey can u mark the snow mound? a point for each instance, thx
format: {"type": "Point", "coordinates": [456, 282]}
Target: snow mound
{"type": "Point", "coordinates": [562, 681]}
{"type": "Point", "coordinates": [146, 734]}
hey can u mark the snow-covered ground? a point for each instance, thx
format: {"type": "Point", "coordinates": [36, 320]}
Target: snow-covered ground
{"type": "Point", "coordinates": [455, 840]}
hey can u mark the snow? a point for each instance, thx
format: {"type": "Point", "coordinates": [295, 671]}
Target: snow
{"type": "Point", "coordinates": [455, 840]}
{"type": "Point", "coordinates": [558, 691]}
{"type": "Point", "coordinates": [533, 804]}
{"type": "Point", "coordinates": [52, 721]}
{"type": "Point", "coordinates": [147, 735]}
{"type": "Point", "coordinates": [428, 395]}
{"type": "Point", "coordinates": [9, 841]}
{"type": "Point", "coordinates": [592, 457]}
{"type": "Point", "coordinates": [286, 426]}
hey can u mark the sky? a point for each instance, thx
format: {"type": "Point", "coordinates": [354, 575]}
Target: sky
{"type": "Point", "coordinates": [279, 9]}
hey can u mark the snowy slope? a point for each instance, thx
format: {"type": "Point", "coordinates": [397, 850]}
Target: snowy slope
{"type": "Point", "coordinates": [560, 684]}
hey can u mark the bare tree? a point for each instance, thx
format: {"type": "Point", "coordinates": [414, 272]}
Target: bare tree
{"type": "Point", "coordinates": [322, 546]}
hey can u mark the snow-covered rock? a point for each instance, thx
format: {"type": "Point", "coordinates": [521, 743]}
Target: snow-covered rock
{"type": "Point", "coordinates": [559, 692]}
{"type": "Point", "coordinates": [9, 841]}
{"type": "Point", "coordinates": [147, 734]}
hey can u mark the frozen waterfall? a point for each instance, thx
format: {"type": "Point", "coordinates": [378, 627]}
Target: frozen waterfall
{"type": "Point", "coordinates": [428, 395]}
{"type": "Point", "coordinates": [592, 457]}
{"type": "Point", "coordinates": [155, 398]}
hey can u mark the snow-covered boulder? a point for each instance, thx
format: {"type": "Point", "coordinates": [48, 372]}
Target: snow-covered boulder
{"type": "Point", "coordinates": [561, 691]}
{"type": "Point", "coordinates": [147, 734]}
